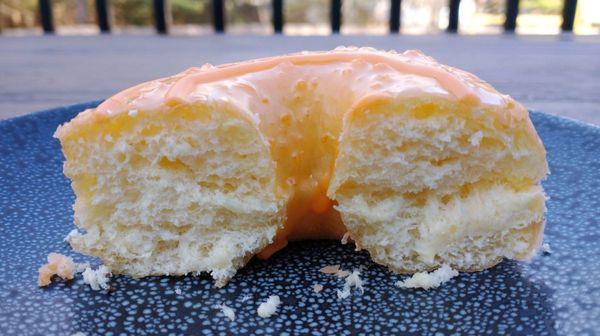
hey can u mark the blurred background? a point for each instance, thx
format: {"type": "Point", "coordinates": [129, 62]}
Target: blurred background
{"type": "Point", "coordinates": [302, 17]}
{"type": "Point", "coordinates": [544, 53]}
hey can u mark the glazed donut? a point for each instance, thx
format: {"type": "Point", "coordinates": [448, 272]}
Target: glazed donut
{"type": "Point", "coordinates": [418, 163]}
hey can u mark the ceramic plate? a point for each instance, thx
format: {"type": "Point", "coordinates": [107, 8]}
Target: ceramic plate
{"type": "Point", "coordinates": [557, 293]}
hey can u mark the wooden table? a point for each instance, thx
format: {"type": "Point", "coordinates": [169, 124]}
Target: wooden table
{"type": "Point", "coordinates": [554, 74]}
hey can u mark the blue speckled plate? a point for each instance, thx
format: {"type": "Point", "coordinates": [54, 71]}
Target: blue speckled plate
{"type": "Point", "coordinates": [557, 293]}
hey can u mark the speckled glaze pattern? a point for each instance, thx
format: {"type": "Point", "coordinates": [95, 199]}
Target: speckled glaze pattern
{"type": "Point", "coordinates": [557, 293]}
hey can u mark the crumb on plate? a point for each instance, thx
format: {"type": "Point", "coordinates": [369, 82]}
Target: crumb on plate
{"type": "Point", "coordinates": [269, 307]}
{"type": "Point", "coordinates": [428, 280]}
{"type": "Point", "coordinates": [58, 264]}
{"type": "Point", "coordinates": [352, 280]}
{"type": "Point", "coordinates": [227, 311]}
{"type": "Point", "coordinates": [97, 278]}
{"type": "Point", "coordinates": [546, 248]}
{"type": "Point", "coordinates": [331, 269]}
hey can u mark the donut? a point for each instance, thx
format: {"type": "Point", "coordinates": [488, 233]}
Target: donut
{"type": "Point", "coordinates": [418, 163]}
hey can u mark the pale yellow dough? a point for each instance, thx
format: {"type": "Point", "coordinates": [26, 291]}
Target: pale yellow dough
{"type": "Point", "coordinates": [420, 164]}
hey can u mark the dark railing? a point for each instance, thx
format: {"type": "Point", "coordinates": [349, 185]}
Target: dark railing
{"type": "Point", "coordinates": [45, 7]}
{"type": "Point", "coordinates": [568, 13]}
{"type": "Point", "coordinates": [162, 16]}
{"type": "Point", "coordinates": [218, 15]}
{"type": "Point", "coordinates": [278, 16]}
{"type": "Point", "coordinates": [395, 15]}
{"type": "Point", "coordinates": [512, 11]}
{"type": "Point", "coordinates": [453, 16]}
{"type": "Point", "coordinates": [336, 16]}
{"type": "Point", "coordinates": [103, 15]}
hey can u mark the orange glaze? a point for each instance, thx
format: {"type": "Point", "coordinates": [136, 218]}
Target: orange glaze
{"type": "Point", "coordinates": [298, 102]}
{"type": "Point", "coordinates": [187, 84]}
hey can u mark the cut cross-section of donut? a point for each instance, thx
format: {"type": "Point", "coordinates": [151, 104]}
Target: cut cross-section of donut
{"type": "Point", "coordinates": [420, 163]}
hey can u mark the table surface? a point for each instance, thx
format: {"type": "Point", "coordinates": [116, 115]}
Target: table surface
{"type": "Point", "coordinates": [555, 74]}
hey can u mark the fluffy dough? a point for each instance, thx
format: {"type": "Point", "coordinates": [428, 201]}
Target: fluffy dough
{"type": "Point", "coordinates": [421, 164]}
